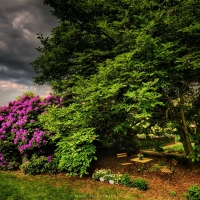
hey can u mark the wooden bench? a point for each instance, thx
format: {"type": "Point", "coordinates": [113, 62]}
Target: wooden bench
{"type": "Point", "coordinates": [169, 170]}
{"type": "Point", "coordinates": [124, 155]}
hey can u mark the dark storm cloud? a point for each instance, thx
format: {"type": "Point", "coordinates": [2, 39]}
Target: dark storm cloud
{"type": "Point", "coordinates": [20, 20]}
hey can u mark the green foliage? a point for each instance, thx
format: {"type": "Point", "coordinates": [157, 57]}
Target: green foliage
{"type": "Point", "coordinates": [112, 104]}
{"type": "Point", "coordinates": [156, 143]}
{"type": "Point", "coordinates": [75, 148]}
{"type": "Point", "coordinates": [118, 178]}
{"type": "Point", "coordinates": [172, 193]}
{"type": "Point", "coordinates": [140, 184]}
{"type": "Point", "coordinates": [98, 173]}
{"type": "Point", "coordinates": [195, 154]}
{"type": "Point", "coordinates": [75, 153]}
{"type": "Point", "coordinates": [178, 147]}
{"type": "Point", "coordinates": [193, 192]}
{"type": "Point", "coordinates": [128, 63]}
{"type": "Point", "coordinates": [36, 165]}
{"type": "Point", "coordinates": [155, 167]}
{"type": "Point", "coordinates": [30, 94]}
{"type": "Point", "coordinates": [159, 148]}
{"type": "Point", "coordinates": [126, 180]}
{"type": "Point", "coordinates": [10, 154]}
{"type": "Point", "coordinates": [109, 177]}
{"type": "Point", "coordinates": [177, 138]}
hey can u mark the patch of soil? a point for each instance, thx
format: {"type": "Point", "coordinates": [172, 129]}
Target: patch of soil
{"type": "Point", "coordinates": [159, 186]}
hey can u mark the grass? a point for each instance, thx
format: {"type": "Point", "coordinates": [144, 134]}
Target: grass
{"type": "Point", "coordinates": [15, 186]}
{"type": "Point", "coordinates": [178, 147]}
{"type": "Point", "coordinates": [175, 148]}
{"type": "Point", "coordinates": [24, 188]}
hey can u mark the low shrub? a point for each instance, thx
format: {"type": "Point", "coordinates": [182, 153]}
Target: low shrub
{"type": "Point", "coordinates": [100, 173]}
{"type": "Point", "coordinates": [39, 164]}
{"type": "Point", "coordinates": [172, 193]}
{"type": "Point", "coordinates": [193, 192]}
{"type": "Point", "coordinates": [140, 184]}
{"type": "Point", "coordinates": [109, 177]}
{"type": "Point", "coordinates": [118, 178]}
{"type": "Point", "coordinates": [126, 180]}
{"type": "Point", "coordinates": [175, 148]}
{"type": "Point", "coordinates": [155, 167]}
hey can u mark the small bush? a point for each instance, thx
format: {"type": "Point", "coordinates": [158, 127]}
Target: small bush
{"type": "Point", "coordinates": [140, 184]}
{"type": "Point", "coordinates": [39, 164]}
{"type": "Point", "coordinates": [98, 173]}
{"type": "Point", "coordinates": [177, 138]}
{"type": "Point", "coordinates": [109, 177]}
{"type": "Point", "coordinates": [126, 180]}
{"type": "Point", "coordinates": [193, 192]}
{"type": "Point", "coordinates": [175, 148]}
{"type": "Point", "coordinates": [120, 179]}
{"type": "Point", "coordinates": [172, 193]}
{"type": "Point", "coordinates": [155, 167]}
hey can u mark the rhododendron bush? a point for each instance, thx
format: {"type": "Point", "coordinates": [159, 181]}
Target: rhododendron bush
{"type": "Point", "coordinates": [23, 142]}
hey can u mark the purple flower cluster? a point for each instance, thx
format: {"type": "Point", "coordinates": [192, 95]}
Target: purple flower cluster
{"type": "Point", "coordinates": [19, 124]}
{"type": "Point", "coordinates": [3, 162]}
{"type": "Point", "coordinates": [49, 158]}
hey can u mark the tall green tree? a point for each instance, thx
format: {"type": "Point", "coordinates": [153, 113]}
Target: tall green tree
{"type": "Point", "coordinates": [77, 44]}
{"type": "Point", "coordinates": [158, 82]}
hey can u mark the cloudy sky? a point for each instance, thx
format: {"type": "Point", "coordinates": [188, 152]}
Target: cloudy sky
{"type": "Point", "coordinates": [20, 20]}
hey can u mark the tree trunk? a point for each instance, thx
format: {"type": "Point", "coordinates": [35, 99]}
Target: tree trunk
{"type": "Point", "coordinates": [184, 134]}
{"type": "Point", "coordinates": [186, 137]}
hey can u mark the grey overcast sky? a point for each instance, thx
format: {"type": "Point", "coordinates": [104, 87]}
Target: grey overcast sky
{"type": "Point", "coordinates": [20, 20]}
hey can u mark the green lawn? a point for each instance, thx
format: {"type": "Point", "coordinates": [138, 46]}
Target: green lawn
{"type": "Point", "coordinates": [17, 186]}
{"type": "Point", "coordinates": [13, 187]}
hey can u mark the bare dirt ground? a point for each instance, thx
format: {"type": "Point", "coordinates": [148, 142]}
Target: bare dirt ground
{"type": "Point", "coordinates": [159, 187]}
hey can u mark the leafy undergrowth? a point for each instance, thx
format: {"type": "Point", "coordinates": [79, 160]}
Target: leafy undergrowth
{"type": "Point", "coordinates": [16, 185]}
{"type": "Point", "coordinates": [175, 148]}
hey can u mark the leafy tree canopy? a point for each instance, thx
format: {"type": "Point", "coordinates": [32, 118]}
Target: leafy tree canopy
{"type": "Point", "coordinates": [140, 58]}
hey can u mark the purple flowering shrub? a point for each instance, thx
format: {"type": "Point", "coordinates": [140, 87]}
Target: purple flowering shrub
{"type": "Point", "coordinates": [39, 164]}
{"type": "Point", "coordinates": [23, 142]}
